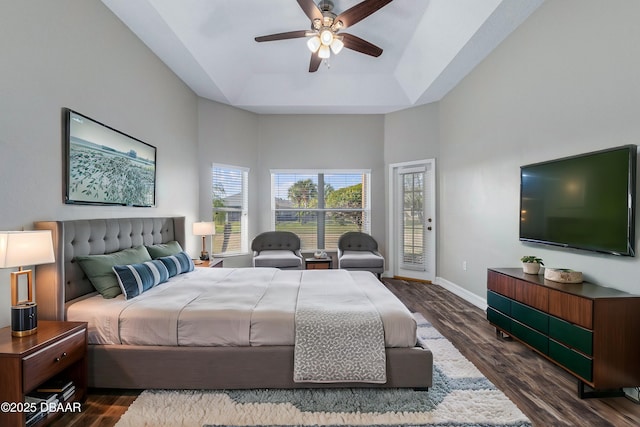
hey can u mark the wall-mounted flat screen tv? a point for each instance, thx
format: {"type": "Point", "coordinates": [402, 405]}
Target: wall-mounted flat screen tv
{"type": "Point", "coordinates": [583, 202]}
{"type": "Point", "coordinates": [105, 166]}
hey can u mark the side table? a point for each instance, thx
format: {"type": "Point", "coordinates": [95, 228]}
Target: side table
{"type": "Point", "coordinates": [318, 263]}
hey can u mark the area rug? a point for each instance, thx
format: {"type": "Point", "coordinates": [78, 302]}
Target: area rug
{"type": "Point", "coordinates": [460, 396]}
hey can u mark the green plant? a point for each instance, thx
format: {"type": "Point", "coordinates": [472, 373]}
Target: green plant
{"type": "Point", "coordinates": [531, 258]}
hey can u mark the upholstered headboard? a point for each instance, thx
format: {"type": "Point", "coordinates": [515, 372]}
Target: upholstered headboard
{"type": "Point", "coordinates": [64, 280]}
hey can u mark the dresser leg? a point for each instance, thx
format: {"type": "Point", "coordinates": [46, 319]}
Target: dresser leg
{"type": "Point", "coordinates": [586, 392]}
{"type": "Point", "coordinates": [502, 335]}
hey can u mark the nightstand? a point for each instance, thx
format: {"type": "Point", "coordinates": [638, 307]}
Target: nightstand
{"type": "Point", "coordinates": [318, 263]}
{"type": "Point", "coordinates": [212, 263]}
{"type": "Point", "coordinates": [57, 349]}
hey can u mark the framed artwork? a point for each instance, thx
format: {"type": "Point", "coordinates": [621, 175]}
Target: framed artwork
{"type": "Point", "coordinates": [105, 166]}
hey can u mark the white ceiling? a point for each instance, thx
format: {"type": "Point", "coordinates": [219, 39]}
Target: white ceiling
{"type": "Point", "coordinates": [429, 47]}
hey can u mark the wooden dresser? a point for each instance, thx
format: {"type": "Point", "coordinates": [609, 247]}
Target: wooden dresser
{"type": "Point", "coordinates": [591, 331]}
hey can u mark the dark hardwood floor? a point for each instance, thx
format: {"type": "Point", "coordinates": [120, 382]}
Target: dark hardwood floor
{"type": "Point", "coordinates": [543, 391]}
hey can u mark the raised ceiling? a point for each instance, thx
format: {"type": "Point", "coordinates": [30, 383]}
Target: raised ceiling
{"type": "Point", "coordinates": [429, 47]}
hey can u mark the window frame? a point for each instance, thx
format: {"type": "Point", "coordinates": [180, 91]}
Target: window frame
{"type": "Point", "coordinates": [243, 210]}
{"type": "Point", "coordinates": [366, 209]}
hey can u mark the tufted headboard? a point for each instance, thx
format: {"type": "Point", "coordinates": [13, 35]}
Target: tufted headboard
{"type": "Point", "coordinates": [64, 280]}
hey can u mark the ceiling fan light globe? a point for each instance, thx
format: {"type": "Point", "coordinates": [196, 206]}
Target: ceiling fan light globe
{"type": "Point", "coordinates": [336, 46]}
{"type": "Point", "coordinates": [324, 52]}
{"type": "Point", "coordinates": [326, 37]}
{"type": "Point", "coordinates": [313, 44]}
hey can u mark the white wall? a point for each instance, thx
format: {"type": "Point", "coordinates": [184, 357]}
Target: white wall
{"type": "Point", "coordinates": [409, 135]}
{"type": "Point", "coordinates": [565, 82]}
{"type": "Point", "coordinates": [77, 54]}
{"type": "Point", "coordinates": [229, 136]}
{"type": "Point", "coordinates": [323, 142]}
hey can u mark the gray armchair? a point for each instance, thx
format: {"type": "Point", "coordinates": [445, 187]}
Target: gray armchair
{"type": "Point", "coordinates": [280, 249]}
{"type": "Point", "coordinates": [359, 251]}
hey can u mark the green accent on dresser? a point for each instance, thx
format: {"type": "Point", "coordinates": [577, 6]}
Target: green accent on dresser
{"type": "Point", "coordinates": [571, 335]}
{"type": "Point", "coordinates": [530, 336]}
{"type": "Point", "coordinates": [499, 319]}
{"type": "Point", "coordinates": [571, 360]}
{"type": "Point", "coordinates": [499, 302]}
{"type": "Point", "coordinates": [530, 316]}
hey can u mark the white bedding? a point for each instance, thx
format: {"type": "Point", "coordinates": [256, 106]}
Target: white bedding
{"type": "Point", "coordinates": [228, 307]}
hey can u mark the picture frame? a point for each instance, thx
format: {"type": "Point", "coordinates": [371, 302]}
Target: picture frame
{"type": "Point", "coordinates": [104, 166]}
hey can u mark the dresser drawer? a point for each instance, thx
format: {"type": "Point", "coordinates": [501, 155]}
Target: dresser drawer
{"type": "Point", "coordinates": [49, 361]}
{"type": "Point", "coordinates": [571, 335]}
{"type": "Point", "coordinates": [499, 319]}
{"type": "Point", "coordinates": [532, 337]}
{"type": "Point", "coordinates": [572, 360]}
{"type": "Point", "coordinates": [530, 317]}
{"type": "Point", "coordinates": [499, 302]}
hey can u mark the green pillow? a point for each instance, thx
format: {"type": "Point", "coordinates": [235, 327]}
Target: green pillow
{"type": "Point", "coordinates": [99, 268]}
{"type": "Point", "coordinates": [164, 249]}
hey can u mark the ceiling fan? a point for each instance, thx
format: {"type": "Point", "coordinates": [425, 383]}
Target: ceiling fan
{"type": "Point", "coordinates": [325, 36]}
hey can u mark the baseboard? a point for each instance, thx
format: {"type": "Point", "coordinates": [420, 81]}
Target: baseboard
{"type": "Point", "coordinates": [470, 297]}
{"type": "Point", "coordinates": [410, 279]}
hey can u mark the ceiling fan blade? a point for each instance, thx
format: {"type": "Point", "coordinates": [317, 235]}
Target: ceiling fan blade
{"type": "Point", "coordinates": [310, 9]}
{"type": "Point", "coordinates": [360, 11]}
{"type": "Point", "coordinates": [356, 43]}
{"type": "Point", "coordinates": [282, 36]}
{"type": "Point", "coordinates": [314, 63]}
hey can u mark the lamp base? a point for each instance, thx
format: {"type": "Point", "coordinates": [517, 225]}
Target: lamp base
{"type": "Point", "coordinates": [24, 319]}
{"type": "Point", "coordinates": [204, 256]}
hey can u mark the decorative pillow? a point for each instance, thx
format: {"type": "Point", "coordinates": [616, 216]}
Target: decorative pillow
{"type": "Point", "coordinates": [164, 249]}
{"type": "Point", "coordinates": [99, 268]}
{"type": "Point", "coordinates": [178, 263]}
{"type": "Point", "coordinates": [135, 279]}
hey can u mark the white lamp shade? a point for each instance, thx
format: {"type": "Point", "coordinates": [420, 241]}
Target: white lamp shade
{"type": "Point", "coordinates": [324, 52]}
{"type": "Point", "coordinates": [313, 43]}
{"type": "Point", "coordinates": [336, 46]}
{"type": "Point", "coordinates": [20, 248]}
{"type": "Point", "coordinates": [204, 228]}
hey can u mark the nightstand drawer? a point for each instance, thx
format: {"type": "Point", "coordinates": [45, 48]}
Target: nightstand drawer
{"type": "Point", "coordinates": [51, 360]}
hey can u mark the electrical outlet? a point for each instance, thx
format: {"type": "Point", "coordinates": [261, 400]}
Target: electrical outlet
{"type": "Point", "coordinates": [464, 265]}
{"type": "Point", "coordinates": [632, 394]}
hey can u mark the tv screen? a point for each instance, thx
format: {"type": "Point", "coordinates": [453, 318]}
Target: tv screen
{"type": "Point", "coordinates": [105, 166]}
{"type": "Point", "coordinates": [583, 202]}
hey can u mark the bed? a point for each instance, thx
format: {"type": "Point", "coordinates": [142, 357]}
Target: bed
{"type": "Point", "coordinates": [263, 358]}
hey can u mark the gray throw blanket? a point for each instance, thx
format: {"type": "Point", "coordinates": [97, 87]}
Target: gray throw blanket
{"type": "Point", "coordinates": [339, 335]}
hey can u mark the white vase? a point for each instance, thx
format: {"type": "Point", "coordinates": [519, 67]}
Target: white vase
{"type": "Point", "coordinates": [531, 267]}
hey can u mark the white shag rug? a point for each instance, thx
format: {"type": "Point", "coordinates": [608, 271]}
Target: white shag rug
{"type": "Point", "coordinates": [460, 396]}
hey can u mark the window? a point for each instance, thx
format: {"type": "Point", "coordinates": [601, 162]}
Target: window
{"type": "Point", "coordinates": [229, 186]}
{"type": "Point", "coordinates": [319, 206]}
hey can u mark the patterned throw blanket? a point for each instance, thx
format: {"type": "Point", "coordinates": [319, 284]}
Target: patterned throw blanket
{"type": "Point", "coordinates": [339, 336]}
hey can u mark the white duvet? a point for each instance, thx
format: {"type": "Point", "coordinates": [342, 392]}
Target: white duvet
{"type": "Point", "coordinates": [229, 307]}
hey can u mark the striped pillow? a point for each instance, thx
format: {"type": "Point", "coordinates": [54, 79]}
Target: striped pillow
{"type": "Point", "coordinates": [178, 263]}
{"type": "Point", "coordinates": [135, 279]}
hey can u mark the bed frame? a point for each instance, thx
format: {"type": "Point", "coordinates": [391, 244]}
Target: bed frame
{"type": "Point", "coordinates": [142, 367]}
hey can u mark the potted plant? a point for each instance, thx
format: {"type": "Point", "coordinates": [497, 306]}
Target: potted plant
{"type": "Point", "coordinates": [531, 264]}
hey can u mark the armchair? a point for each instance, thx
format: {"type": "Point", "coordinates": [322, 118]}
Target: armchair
{"type": "Point", "coordinates": [359, 251]}
{"type": "Point", "coordinates": [280, 249]}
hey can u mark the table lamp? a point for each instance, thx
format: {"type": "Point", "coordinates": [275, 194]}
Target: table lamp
{"type": "Point", "coordinates": [19, 249]}
{"type": "Point", "coordinates": [204, 229]}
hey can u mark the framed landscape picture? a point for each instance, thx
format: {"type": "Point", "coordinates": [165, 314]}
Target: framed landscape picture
{"type": "Point", "coordinates": [105, 166]}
